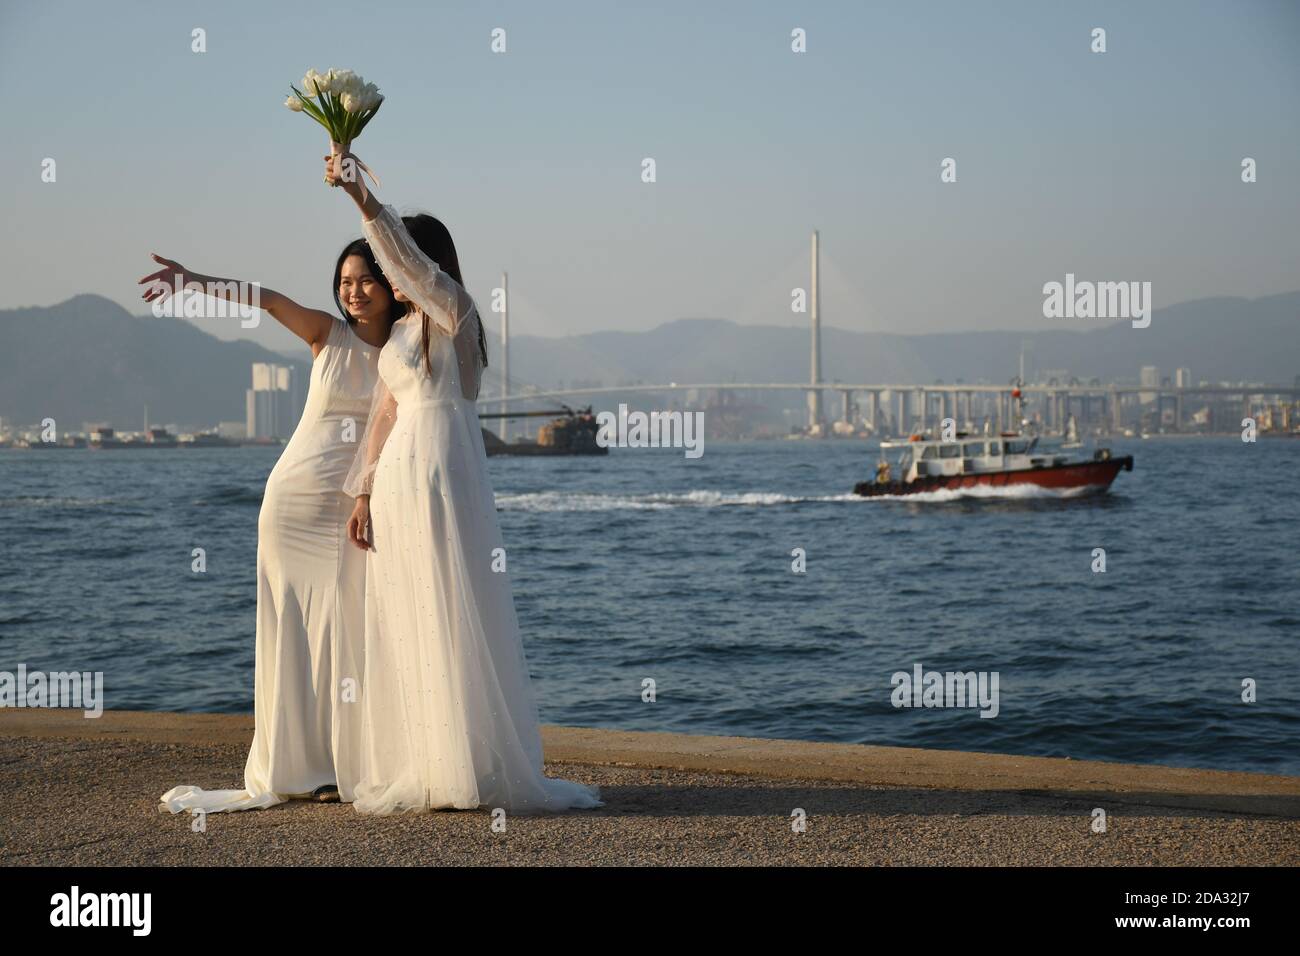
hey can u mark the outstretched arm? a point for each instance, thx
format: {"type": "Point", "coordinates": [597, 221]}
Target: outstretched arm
{"type": "Point", "coordinates": [311, 325]}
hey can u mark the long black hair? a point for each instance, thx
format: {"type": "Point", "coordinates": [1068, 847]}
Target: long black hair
{"type": "Point", "coordinates": [359, 247]}
{"type": "Point", "coordinates": [435, 242]}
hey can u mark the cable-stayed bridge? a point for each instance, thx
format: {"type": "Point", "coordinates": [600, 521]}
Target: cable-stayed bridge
{"type": "Point", "coordinates": [908, 407]}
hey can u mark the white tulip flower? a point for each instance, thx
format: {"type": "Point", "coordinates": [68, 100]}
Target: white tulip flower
{"type": "Point", "coordinates": [339, 81]}
{"type": "Point", "coordinates": [345, 81]}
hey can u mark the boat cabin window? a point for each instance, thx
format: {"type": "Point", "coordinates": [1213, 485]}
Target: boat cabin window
{"type": "Point", "coordinates": [950, 450]}
{"type": "Point", "coordinates": [930, 452]}
{"type": "Point", "coordinates": [995, 449]}
{"type": "Point", "coordinates": [975, 450]}
{"type": "Point", "coordinates": [1017, 447]}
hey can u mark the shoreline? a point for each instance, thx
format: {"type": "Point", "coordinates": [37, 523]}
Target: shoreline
{"type": "Point", "coordinates": [89, 797]}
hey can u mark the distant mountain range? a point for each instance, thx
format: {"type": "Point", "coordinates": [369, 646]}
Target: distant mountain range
{"type": "Point", "coordinates": [1218, 339]}
{"type": "Point", "coordinates": [87, 359]}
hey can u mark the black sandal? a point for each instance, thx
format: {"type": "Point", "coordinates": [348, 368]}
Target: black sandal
{"type": "Point", "coordinates": [326, 794]}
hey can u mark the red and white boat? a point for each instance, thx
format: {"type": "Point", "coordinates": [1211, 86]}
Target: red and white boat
{"type": "Point", "coordinates": [988, 461]}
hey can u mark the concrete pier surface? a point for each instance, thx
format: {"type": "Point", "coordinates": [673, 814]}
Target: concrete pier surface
{"type": "Point", "coordinates": [77, 791]}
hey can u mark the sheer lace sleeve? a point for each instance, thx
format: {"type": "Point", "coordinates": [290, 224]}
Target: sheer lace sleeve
{"type": "Point", "coordinates": [434, 291]}
{"type": "Point", "coordinates": [421, 280]}
{"type": "Point", "coordinates": [469, 357]}
{"type": "Point", "coordinates": [383, 413]}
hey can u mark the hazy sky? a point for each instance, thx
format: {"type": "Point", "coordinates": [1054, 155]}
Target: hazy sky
{"type": "Point", "coordinates": [1123, 165]}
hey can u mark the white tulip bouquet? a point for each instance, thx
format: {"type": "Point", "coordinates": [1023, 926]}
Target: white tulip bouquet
{"type": "Point", "coordinates": [344, 104]}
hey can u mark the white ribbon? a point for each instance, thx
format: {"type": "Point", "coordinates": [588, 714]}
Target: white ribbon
{"type": "Point", "coordinates": [337, 149]}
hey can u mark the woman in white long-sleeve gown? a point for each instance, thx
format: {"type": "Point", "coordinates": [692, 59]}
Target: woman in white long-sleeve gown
{"type": "Point", "coordinates": [310, 583]}
{"type": "Point", "coordinates": [449, 719]}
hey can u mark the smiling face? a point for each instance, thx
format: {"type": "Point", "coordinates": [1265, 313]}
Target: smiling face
{"type": "Point", "coordinates": [361, 293]}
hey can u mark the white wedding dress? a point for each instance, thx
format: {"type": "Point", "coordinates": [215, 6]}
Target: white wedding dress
{"type": "Point", "coordinates": [449, 719]}
{"type": "Point", "coordinates": [310, 599]}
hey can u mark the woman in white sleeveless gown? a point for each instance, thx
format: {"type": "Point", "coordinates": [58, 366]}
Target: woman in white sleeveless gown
{"type": "Point", "coordinates": [449, 716]}
{"type": "Point", "coordinates": [310, 580]}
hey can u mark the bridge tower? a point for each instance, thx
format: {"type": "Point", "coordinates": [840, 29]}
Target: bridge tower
{"type": "Point", "coordinates": [815, 395]}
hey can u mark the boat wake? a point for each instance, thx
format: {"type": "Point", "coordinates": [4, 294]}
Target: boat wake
{"type": "Point", "coordinates": [578, 501]}
{"type": "Point", "coordinates": [570, 501]}
{"type": "Point", "coordinates": [562, 501]}
{"type": "Point", "coordinates": [1017, 492]}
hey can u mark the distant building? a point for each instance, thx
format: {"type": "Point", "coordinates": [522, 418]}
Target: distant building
{"type": "Point", "coordinates": [1149, 377]}
{"type": "Point", "coordinates": [1183, 378]}
{"type": "Point", "coordinates": [232, 429]}
{"type": "Point", "coordinates": [274, 404]}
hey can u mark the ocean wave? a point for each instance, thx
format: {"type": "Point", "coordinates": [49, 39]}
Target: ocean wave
{"type": "Point", "coordinates": [38, 501]}
{"type": "Point", "coordinates": [230, 495]}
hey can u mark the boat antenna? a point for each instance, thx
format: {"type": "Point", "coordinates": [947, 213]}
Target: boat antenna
{"type": "Point", "coordinates": [1018, 397]}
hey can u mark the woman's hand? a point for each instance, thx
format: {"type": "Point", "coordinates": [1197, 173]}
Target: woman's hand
{"type": "Point", "coordinates": [359, 524]}
{"type": "Point", "coordinates": [165, 280]}
{"type": "Point", "coordinates": [352, 184]}
{"type": "Point", "coordinates": [334, 174]}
